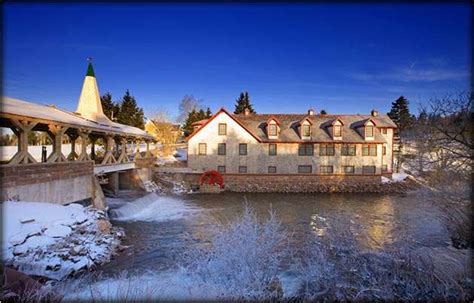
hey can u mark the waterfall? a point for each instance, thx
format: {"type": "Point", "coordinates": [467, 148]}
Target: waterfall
{"type": "Point", "coordinates": [153, 207]}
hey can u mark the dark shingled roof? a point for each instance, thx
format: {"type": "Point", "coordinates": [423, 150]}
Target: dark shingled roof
{"type": "Point", "coordinates": [351, 132]}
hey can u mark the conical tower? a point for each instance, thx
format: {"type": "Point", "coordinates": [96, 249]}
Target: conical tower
{"type": "Point", "coordinates": [89, 105]}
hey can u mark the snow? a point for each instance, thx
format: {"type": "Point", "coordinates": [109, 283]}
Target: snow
{"type": "Point", "coordinates": [396, 177]}
{"type": "Point", "coordinates": [51, 236]}
{"type": "Point", "coordinates": [7, 152]}
{"type": "Point", "coordinates": [28, 109]}
{"type": "Point", "coordinates": [243, 264]}
{"type": "Point", "coordinates": [152, 207]}
{"type": "Point", "coordinates": [181, 154]}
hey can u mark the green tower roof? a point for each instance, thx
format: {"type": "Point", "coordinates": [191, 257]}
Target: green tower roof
{"type": "Point", "coordinates": [90, 70]}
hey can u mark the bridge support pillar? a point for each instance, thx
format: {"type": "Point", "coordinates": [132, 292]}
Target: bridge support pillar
{"type": "Point", "coordinates": [114, 182]}
{"type": "Point", "coordinates": [21, 130]}
{"type": "Point", "coordinates": [56, 132]}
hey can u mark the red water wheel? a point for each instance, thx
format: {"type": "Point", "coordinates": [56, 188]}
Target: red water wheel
{"type": "Point", "coordinates": [212, 177]}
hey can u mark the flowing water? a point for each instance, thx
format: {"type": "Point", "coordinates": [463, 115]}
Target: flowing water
{"type": "Point", "coordinates": [160, 228]}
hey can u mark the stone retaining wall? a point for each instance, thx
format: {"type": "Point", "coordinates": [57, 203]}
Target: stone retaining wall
{"type": "Point", "coordinates": [299, 183]}
{"type": "Point", "coordinates": [47, 182]}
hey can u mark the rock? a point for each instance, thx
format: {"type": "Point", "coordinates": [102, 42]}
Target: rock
{"type": "Point", "coordinates": [104, 226]}
{"type": "Point", "coordinates": [17, 284]}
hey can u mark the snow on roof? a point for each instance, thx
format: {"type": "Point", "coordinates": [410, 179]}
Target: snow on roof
{"type": "Point", "coordinates": [51, 113]}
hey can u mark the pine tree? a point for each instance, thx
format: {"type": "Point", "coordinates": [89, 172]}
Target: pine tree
{"type": "Point", "coordinates": [242, 103]}
{"type": "Point", "coordinates": [130, 113]}
{"type": "Point", "coordinates": [194, 116]}
{"type": "Point", "coordinates": [324, 112]}
{"type": "Point", "coordinates": [400, 114]}
{"type": "Point", "coordinates": [110, 108]}
{"type": "Point", "coordinates": [208, 113]}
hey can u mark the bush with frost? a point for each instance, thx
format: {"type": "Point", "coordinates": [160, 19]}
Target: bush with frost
{"type": "Point", "coordinates": [243, 260]}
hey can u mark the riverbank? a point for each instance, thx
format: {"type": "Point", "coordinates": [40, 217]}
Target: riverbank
{"type": "Point", "coordinates": [387, 186]}
{"type": "Point", "coordinates": [54, 241]}
{"type": "Point", "coordinates": [399, 183]}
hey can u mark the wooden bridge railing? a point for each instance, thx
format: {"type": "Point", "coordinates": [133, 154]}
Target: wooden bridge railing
{"type": "Point", "coordinates": [116, 144]}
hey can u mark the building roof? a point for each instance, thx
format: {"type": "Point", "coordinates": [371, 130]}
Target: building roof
{"type": "Point", "coordinates": [200, 122]}
{"type": "Point", "coordinates": [90, 70]}
{"type": "Point", "coordinates": [53, 114]}
{"type": "Point", "coordinates": [255, 124]}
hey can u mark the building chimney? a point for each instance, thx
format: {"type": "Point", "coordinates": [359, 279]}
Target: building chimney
{"type": "Point", "coordinates": [246, 111]}
{"type": "Point", "coordinates": [374, 113]}
{"type": "Point", "coordinates": [311, 112]}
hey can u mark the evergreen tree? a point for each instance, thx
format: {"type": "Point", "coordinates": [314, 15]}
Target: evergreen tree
{"type": "Point", "coordinates": [208, 113]}
{"type": "Point", "coordinates": [400, 114]}
{"type": "Point", "coordinates": [324, 112]}
{"type": "Point", "coordinates": [242, 103]}
{"type": "Point", "coordinates": [130, 113]}
{"type": "Point", "coordinates": [110, 108]}
{"type": "Point", "coordinates": [194, 116]}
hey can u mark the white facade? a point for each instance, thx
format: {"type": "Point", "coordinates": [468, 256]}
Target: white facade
{"type": "Point", "coordinates": [287, 159]}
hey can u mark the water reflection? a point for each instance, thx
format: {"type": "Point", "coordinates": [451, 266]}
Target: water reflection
{"type": "Point", "coordinates": [370, 221]}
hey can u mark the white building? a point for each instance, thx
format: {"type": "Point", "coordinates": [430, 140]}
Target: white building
{"type": "Point", "coordinates": [293, 144]}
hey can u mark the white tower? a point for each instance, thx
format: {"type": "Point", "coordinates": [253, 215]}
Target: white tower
{"type": "Point", "coordinates": [89, 105]}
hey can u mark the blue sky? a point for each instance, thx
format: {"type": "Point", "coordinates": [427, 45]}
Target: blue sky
{"type": "Point", "coordinates": [345, 58]}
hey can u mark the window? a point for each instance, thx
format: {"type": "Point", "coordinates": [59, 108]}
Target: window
{"type": "Point", "coordinates": [272, 149]}
{"type": "Point", "coordinates": [306, 150]}
{"type": "Point", "coordinates": [337, 131]}
{"type": "Point", "coordinates": [305, 169]}
{"type": "Point", "coordinates": [348, 169]}
{"type": "Point", "coordinates": [348, 150]}
{"type": "Point", "coordinates": [221, 169]}
{"type": "Point", "coordinates": [369, 150]}
{"type": "Point", "coordinates": [221, 149]}
{"type": "Point", "coordinates": [242, 169]}
{"type": "Point", "coordinates": [326, 169]}
{"type": "Point", "coordinates": [272, 130]}
{"type": "Point", "coordinates": [202, 149]}
{"type": "Point", "coordinates": [384, 168]}
{"type": "Point", "coordinates": [368, 169]}
{"type": "Point", "coordinates": [384, 150]}
{"type": "Point", "coordinates": [384, 131]}
{"type": "Point", "coordinates": [272, 169]}
{"type": "Point", "coordinates": [305, 130]}
{"type": "Point", "coordinates": [326, 150]}
{"type": "Point", "coordinates": [222, 129]}
{"type": "Point", "coordinates": [243, 149]}
{"type": "Point", "coordinates": [369, 131]}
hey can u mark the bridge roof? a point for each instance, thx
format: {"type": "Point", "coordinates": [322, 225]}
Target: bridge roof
{"type": "Point", "coordinates": [53, 114]}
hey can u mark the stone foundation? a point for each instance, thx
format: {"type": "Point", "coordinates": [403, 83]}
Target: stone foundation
{"type": "Point", "coordinates": [60, 183]}
{"type": "Point", "coordinates": [299, 183]}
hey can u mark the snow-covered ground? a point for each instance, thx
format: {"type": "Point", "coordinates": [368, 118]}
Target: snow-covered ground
{"type": "Point", "coordinates": [7, 152]}
{"type": "Point", "coordinates": [181, 154]}
{"type": "Point", "coordinates": [396, 177]}
{"type": "Point", "coordinates": [52, 240]}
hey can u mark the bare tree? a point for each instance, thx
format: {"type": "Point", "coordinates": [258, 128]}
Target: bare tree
{"type": "Point", "coordinates": [188, 104]}
{"type": "Point", "coordinates": [164, 130]}
{"type": "Point", "coordinates": [451, 119]}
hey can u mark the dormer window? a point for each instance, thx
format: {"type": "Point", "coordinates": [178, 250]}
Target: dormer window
{"type": "Point", "coordinates": [305, 130]}
{"type": "Point", "coordinates": [369, 131]}
{"type": "Point", "coordinates": [334, 129]}
{"type": "Point", "coordinates": [272, 130]}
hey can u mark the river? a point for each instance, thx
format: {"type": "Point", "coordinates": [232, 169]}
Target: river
{"type": "Point", "coordinates": [159, 229]}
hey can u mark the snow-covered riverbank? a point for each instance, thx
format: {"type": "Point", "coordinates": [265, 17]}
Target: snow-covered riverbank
{"type": "Point", "coordinates": [55, 241]}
